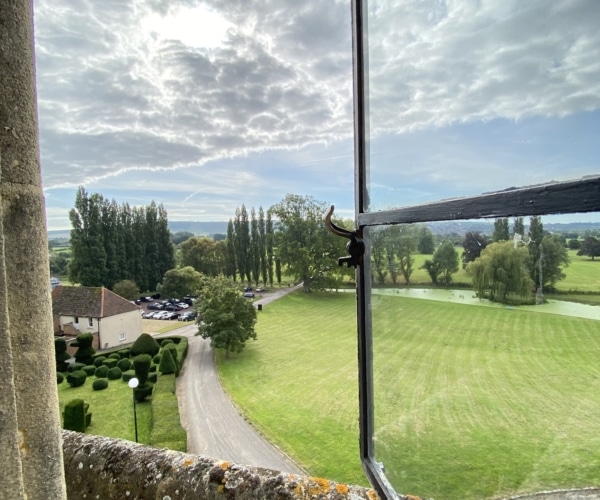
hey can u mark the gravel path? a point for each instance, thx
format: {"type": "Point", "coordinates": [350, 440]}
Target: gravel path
{"type": "Point", "coordinates": [213, 425]}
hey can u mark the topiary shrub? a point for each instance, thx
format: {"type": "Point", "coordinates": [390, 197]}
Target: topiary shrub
{"type": "Point", "coordinates": [85, 351]}
{"type": "Point", "coordinates": [76, 416]}
{"type": "Point", "coordinates": [100, 384]}
{"type": "Point", "coordinates": [114, 373]}
{"type": "Point", "coordinates": [115, 355]}
{"type": "Point", "coordinates": [153, 368]}
{"type": "Point", "coordinates": [98, 361]}
{"type": "Point", "coordinates": [164, 342]}
{"type": "Point", "coordinates": [156, 359]}
{"type": "Point", "coordinates": [101, 371]}
{"type": "Point", "coordinates": [125, 353]}
{"type": "Point", "coordinates": [59, 378]}
{"type": "Point", "coordinates": [173, 349]}
{"type": "Point", "coordinates": [141, 392]}
{"type": "Point", "coordinates": [127, 376]}
{"type": "Point", "coordinates": [61, 355]}
{"type": "Point", "coordinates": [89, 370]}
{"type": "Point", "coordinates": [75, 366]}
{"type": "Point", "coordinates": [110, 362]}
{"type": "Point", "coordinates": [145, 344]}
{"type": "Point", "coordinates": [141, 365]}
{"type": "Point", "coordinates": [124, 364]}
{"type": "Point", "coordinates": [76, 378]}
{"type": "Point", "coordinates": [167, 363]}
{"type": "Point", "coordinates": [153, 377]}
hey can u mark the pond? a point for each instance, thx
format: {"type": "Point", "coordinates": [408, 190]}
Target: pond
{"type": "Point", "coordinates": [468, 297]}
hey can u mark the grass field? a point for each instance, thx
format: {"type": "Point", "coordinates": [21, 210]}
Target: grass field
{"type": "Point", "coordinates": [471, 402]}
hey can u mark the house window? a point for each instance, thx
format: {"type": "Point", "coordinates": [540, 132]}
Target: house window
{"type": "Point", "coordinates": [90, 322]}
{"type": "Point", "coordinates": [76, 320]}
{"type": "Point", "coordinates": [121, 337]}
{"type": "Point", "coordinates": [461, 397]}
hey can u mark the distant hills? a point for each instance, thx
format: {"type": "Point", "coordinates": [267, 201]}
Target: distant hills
{"type": "Point", "coordinates": [447, 227]}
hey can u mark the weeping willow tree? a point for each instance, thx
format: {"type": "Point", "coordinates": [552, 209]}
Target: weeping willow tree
{"type": "Point", "coordinates": [501, 273]}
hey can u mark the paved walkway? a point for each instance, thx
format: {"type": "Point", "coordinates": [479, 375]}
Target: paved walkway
{"type": "Point", "coordinates": [213, 425]}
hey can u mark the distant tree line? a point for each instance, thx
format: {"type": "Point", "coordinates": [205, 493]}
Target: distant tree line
{"type": "Point", "coordinates": [111, 242]}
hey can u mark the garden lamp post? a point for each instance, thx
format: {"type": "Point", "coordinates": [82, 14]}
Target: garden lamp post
{"type": "Point", "coordinates": [133, 383]}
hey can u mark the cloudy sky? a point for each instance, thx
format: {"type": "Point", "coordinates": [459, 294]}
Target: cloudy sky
{"type": "Point", "coordinates": [203, 105]}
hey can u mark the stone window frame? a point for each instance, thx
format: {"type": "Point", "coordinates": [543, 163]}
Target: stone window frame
{"type": "Point", "coordinates": [575, 196]}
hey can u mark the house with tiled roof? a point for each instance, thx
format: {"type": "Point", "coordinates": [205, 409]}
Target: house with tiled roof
{"type": "Point", "coordinates": [112, 319]}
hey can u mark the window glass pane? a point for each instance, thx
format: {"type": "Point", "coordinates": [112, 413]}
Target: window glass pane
{"type": "Point", "coordinates": [475, 398]}
{"type": "Point", "coordinates": [469, 97]}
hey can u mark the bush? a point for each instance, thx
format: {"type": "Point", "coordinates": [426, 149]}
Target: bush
{"type": "Point", "coordinates": [141, 365]}
{"type": "Point", "coordinates": [124, 352]}
{"type": "Point", "coordinates": [60, 354]}
{"type": "Point", "coordinates": [100, 384]}
{"type": "Point", "coordinates": [115, 355]}
{"type": "Point", "coordinates": [114, 373]}
{"type": "Point", "coordinates": [89, 370]}
{"type": "Point", "coordinates": [76, 366]}
{"type": "Point", "coordinates": [59, 378]}
{"type": "Point", "coordinates": [167, 363]}
{"type": "Point", "coordinates": [173, 349]}
{"type": "Point", "coordinates": [98, 361]}
{"type": "Point", "coordinates": [145, 344]}
{"type": "Point", "coordinates": [166, 341]}
{"type": "Point", "coordinates": [101, 371]}
{"type": "Point", "coordinates": [127, 375]}
{"type": "Point", "coordinates": [156, 359]}
{"type": "Point", "coordinates": [124, 364]}
{"type": "Point", "coordinates": [141, 392]}
{"type": "Point", "coordinates": [153, 377]}
{"type": "Point", "coordinates": [110, 362]}
{"type": "Point", "coordinates": [153, 368]}
{"type": "Point", "coordinates": [76, 378]}
{"type": "Point", "coordinates": [76, 416]}
{"type": "Point", "coordinates": [85, 351]}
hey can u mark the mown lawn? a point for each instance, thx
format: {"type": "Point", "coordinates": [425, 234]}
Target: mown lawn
{"type": "Point", "coordinates": [471, 402]}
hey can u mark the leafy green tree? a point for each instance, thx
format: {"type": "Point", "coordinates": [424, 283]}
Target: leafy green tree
{"type": "Point", "coordinates": [269, 242]}
{"type": "Point", "coordinates": [88, 263]}
{"type": "Point", "coordinates": [473, 244]}
{"type": "Point", "coordinates": [501, 272]}
{"type": "Point", "coordinates": [255, 246]}
{"type": "Point", "coordinates": [230, 261]}
{"type": "Point", "coordinates": [378, 254]}
{"type": "Point", "coordinates": [127, 289]}
{"type": "Point", "coordinates": [446, 257]}
{"type": "Point", "coordinates": [405, 238]}
{"type": "Point", "coordinates": [303, 242]}
{"type": "Point", "coordinates": [59, 263]}
{"type": "Point", "coordinates": [242, 243]}
{"type": "Point", "coordinates": [278, 270]}
{"type": "Point", "coordinates": [228, 318]}
{"type": "Point", "coordinates": [574, 244]}
{"type": "Point", "coordinates": [500, 230]}
{"type": "Point", "coordinates": [181, 236]}
{"type": "Point", "coordinates": [433, 270]}
{"type": "Point", "coordinates": [262, 246]}
{"type": "Point", "coordinates": [203, 255]}
{"type": "Point", "coordinates": [426, 244]}
{"type": "Point", "coordinates": [554, 258]}
{"type": "Point", "coordinates": [589, 247]}
{"type": "Point", "coordinates": [536, 235]}
{"type": "Point", "coordinates": [518, 226]}
{"type": "Point", "coordinates": [180, 282]}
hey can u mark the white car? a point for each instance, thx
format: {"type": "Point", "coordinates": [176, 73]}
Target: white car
{"type": "Point", "coordinates": [160, 315]}
{"type": "Point", "coordinates": [183, 305]}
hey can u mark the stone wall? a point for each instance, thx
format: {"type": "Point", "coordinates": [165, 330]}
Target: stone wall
{"type": "Point", "coordinates": [100, 467]}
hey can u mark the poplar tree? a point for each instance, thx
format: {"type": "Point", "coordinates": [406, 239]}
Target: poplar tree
{"type": "Point", "coordinates": [230, 265]}
{"type": "Point", "coordinates": [500, 230]}
{"type": "Point", "coordinates": [269, 245]}
{"type": "Point", "coordinates": [254, 247]}
{"type": "Point", "coordinates": [262, 250]}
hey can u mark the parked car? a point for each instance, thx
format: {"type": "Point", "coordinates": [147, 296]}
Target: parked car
{"type": "Point", "coordinates": [188, 316]}
{"type": "Point", "coordinates": [161, 315]}
{"type": "Point", "coordinates": [171, 315]}
{"type": "Point", "coordinates": [247, 289]}
{"type": "Point", "coordinates": [249, 295]}
{"type": "Point", "coordinates": [156, 306]}
{"type": "Point", "coordinates": [183, 305]}
{"type": "Point", "coordinates": [148, 314]}
{"type": "Point", "coordinates": [260, 289]}
{"type": "Point", "coordinates": [145, 299]}
{"type": "Point", "coordinates": [172, 307]}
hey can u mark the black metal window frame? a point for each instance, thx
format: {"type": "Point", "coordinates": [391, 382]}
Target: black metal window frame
{"type": "Point", "coordinates": [575, 196]}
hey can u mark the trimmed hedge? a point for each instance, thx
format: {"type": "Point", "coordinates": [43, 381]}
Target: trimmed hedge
{"type": "Point", "coordinates": [127, 375]}
{"type": "Point", "coordinates": [167, 363]}
{"type": "Point", "coordinates": [100, 384]}
{"type": "Point", "coordinates": [124, 364]}
{"type": "Point", "coordinates": [89, 370]}
{"type": "Point", "coordinates": [114, 373]}
{"type": "Point", "coordinates": [98, 361]}
{"type": "Point", "coordinates": [85, 351]}
{"type": "Point", "coordinates": [60, 354]}
{"type": "Point", "coordinates": [156, 359]}
{"type": "Point", "coordinates": [110, 362]}
{"type": "Point", "coordinates": [153, 377]}
{"type": "Point", "coordinates": [75, 366]}
{"type": "Point", "coordinates": [101, 371]}
{"type": "Point", "coordinates": [76, 378]}
{"type": "Point", "coordinates": [145, 344]}
{"type": "Point", "coordinates": [76, 416]}
{"type": "Point", "coordinates": [141, 365]}
{"type": "Point", "coordinates": [115, 355]}
{"type": "Point", "coordinates": [59, 378]}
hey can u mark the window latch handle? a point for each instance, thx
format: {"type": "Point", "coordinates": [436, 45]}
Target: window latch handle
{"type": "Point", "coordinates": [355, 247]}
